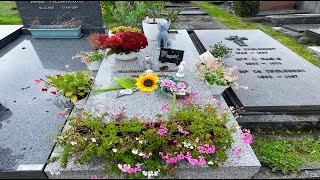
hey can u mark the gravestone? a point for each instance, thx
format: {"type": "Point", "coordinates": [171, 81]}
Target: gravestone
{"type": "Point", "coordinates": [278, 80]}
{"type": "Point", "coordinates": [148, 104]}
{"type": "Point", "coordinates": [51, 12]}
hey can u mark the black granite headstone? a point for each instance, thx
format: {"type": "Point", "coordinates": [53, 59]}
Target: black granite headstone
{"type": "Point", "coordinates": [171, 55]}
{"type": "Point", "coordinates": [51, 12]}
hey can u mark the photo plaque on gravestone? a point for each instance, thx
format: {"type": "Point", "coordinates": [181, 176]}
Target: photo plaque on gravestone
{"type": "Point", "coordinates": [171, 56]}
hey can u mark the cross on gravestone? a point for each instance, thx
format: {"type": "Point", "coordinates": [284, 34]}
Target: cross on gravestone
{"type": "Point", "coordinates": [238, 40]}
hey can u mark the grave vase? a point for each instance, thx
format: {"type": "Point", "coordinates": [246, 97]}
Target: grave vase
{"type": "Point", "coordinates": [217, 90]}
{"type": "Point", "coordinates": [82, 102]}
{"type": "Point", "coordinates": [94, 65]}
{"type": "Point", "coordinates": [126, 57]}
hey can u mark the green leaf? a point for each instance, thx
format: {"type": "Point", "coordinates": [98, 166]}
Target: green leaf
{"type": "Point", "coordinates": [68, 93]}
{"type": "Point", "coordinates": [127, 83]}
{"type": "Point", "coordinates": [108, 89]}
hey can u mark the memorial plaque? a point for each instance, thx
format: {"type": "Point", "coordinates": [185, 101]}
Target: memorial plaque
{"type": "Point", "coordinates": [278, 79]}
{"type": "Point", "coordinates": [52, 12]}
{"type": "Point", "coordinates": [171, 55]}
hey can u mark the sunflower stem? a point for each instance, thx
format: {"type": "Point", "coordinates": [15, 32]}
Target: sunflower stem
{"type": "Point", "coordinates": [173, 104]}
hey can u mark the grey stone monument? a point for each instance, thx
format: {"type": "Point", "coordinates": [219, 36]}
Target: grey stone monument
{"type": "Point", "coordinates": [51, 12]}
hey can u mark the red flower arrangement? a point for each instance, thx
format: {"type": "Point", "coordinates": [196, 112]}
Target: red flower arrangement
{"type": "Point", "coordinates": [126, 42]}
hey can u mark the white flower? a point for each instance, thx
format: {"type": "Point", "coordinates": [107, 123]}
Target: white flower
{"type": "Point", "coordinates": [156, 173]}
{"type": "Point", "coordinates": [134, 151]}
{"type": "Point", "coordinates": [54, 172]}
{"type": "Point", "coordinates": [137, 138]}
{"type": "Point", "coordinates": [145, 173]}
{"type": "Point", "coordinates": [191, 147]}
{"type": "Point", "coordinates": [141, 154]}
{"type": "Point", "coordinates": [85, 139]}
{"type": "Point", "coordinates": [119, 166]}
{"type": "Point", "coordinates": [210, 162]}
{"type": "Point", "coordinates": [93, 140]}
{"type": "Point", "coordinates": [73, 143]}
{"type": "Point", "coordinates": [140, 142]}
{"type": "Point", "coordinates": [197, 140]}
{"type": "Point", "coordinates": [114, 150]}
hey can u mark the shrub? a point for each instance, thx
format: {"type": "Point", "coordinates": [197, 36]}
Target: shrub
{"type": "Point", "coordinates": [246, 8]}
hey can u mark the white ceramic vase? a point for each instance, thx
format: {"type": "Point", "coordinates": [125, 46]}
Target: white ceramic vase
{"type": "Point", "coordinates": [151, 30]}
{"type": "Point", "coordinates": [82, 102]}
{"type": "Point", "coordinates": [94, 65]}
{"type": "Point", "coordinates": [126, 57]}
{"type": "Point", "coordinates": [217, 90]}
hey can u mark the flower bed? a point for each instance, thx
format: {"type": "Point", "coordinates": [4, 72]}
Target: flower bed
{"type": "Point", "coordinates": [131, 147]}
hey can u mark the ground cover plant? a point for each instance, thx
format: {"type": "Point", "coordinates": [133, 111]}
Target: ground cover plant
{"type": "Point", "coordinates": [9, 13]}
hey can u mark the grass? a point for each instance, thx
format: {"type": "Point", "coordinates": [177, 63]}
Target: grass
{"type": "Point", "coordinates": [9, 13]}
{"type": "Point", "coordinates": [288, 154]}
{"type": "Point", "coordinates": [234, 22]}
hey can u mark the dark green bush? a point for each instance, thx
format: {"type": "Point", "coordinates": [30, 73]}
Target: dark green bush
{"type": "Point", "coordinates": [246, 8]}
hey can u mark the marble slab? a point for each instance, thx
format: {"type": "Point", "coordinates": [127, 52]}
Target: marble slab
{"type": "Point", "coordinates": [149, 104]}
{"type": "Point", "coordinates": [278, 79]}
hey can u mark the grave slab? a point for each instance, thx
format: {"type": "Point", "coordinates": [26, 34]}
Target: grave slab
{"type": "Point", "coordinates": [9, 33]}
{"type": "Point", "coordinates": [315, 49]}
{"type": "Point", "coordinates": [301, 27]}
{"type": "Point", "coordinates": [53, 12]}
{"type": "Point", "coordinates": [278, 80]}
{"type": "Point", "coordinates": [27, 124]}
{"type": "Point", "coordinates": [244, 166]}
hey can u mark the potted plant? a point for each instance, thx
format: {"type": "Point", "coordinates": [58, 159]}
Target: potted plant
{"type": "Point", "coordinates": [117, 29]}
{"type": "Point", "coordinates": [220, 50]}
{"type": "Point", "coordinates": [125, 45]}
{"type": "Point", "coordinates": [149, 25]}
{"type": "Point", "coordinates": [170, 86]}
{"type": "Point", "coordinates": [96, 40]}
{"type": "Point", "coordinates": [217, 76]}
{"type": "Point", "coordinates": [92, 59]}
{"type": "Point", "coordinates": [66, 29]}
{"type": "Point", "coordinates": [173, 16]}
{"type": "Point", "coordinates": [75, 85]}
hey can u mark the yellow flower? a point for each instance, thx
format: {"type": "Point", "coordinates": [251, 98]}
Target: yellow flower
{"type": "Point", "coordinates": [147, 82]}
{"type": "Point", "coordinates": [124, 29]}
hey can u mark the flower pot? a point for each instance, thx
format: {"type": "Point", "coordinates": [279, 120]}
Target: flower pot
{"type": "Point", "coordinates": [82, 102]}
{"type": "Point", "coordinates": [110, 34]}
{"type": "Point", "coordinates": [217, 90]}
{"type": "Point", "coordinates": [94, 65]}
{"type": "Point", "coordinates": [151, 30]}
{"type": "Point", "coordinates": [126, 57]}
{"type": "Point", "coordinates": [55, 31]}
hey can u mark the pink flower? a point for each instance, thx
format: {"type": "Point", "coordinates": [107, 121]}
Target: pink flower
{"type": "Point", "coordinates": [94, 177]}
{"type": "Point", "coordinates": [180, 129]}
{"type": "Point", "coordinates": [37, 81]}
{"type": "Point", "coordinates": [171, 160]}
{"type": "Point", "coordinates": [166, 83]}
{"type": "Point", "coordinates": [162, 131]}
{"type": "Point", "coordinates": [179, 145]}
{"type": "Point", "coordinates": [181, 85]}
{"type": "Point", "coordinates": [246, 136]}
{"type": "Point", "coordinates": [236, 152]}
{"type": "Point", "coordinates": [59, 114]}
{"type": "Point", "coordinates": [164, 107]}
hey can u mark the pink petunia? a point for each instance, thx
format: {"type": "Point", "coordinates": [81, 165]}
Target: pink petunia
{"type": "Point", "coordinates": [237, 152]}
{"type": "Point", "coordinates": [164, 107]}
{"type": "Point", "coordinates": [37, 81]}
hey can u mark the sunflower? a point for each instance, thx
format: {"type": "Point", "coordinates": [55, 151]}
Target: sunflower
{"type": "Point", "coordinates": [147, 82]}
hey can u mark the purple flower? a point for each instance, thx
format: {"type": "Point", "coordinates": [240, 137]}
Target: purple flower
{"type": "Point", "coordinates": [181, 85]}
{"type": "Point", "coordinates": [166, 83]}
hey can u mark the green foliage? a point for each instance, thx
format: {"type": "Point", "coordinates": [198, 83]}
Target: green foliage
{"type": "Point", "coordinates": [96, 56]}
{"type": "Point", "coordinates": [234, 22]}
{"type": "Point", "coordinates": [129, 13]}
{"type": "Point", "coordinates": [127, 83]}
{"type": "Point", "coordinates": [155, 9]}
{"type": "Point", "coordinates": [121, 141]}
{"type": "Point", "coordinates": [220, 50]}
{"type": "Point", "coordinates": [9, 13]}
{"type": "Point", "coordinates": [287, 154]}
{"type": "Point", "coordinates": [246, 8]}
{"type": "Point", "coordinates": [75, 85]}
{"type": "Point", "coordinates": [173, 16]}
